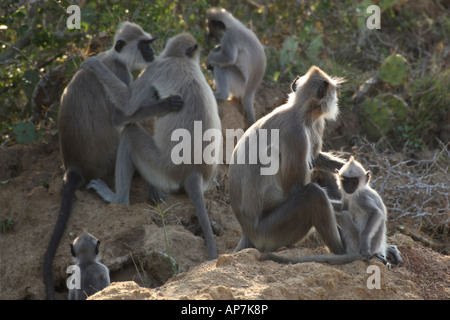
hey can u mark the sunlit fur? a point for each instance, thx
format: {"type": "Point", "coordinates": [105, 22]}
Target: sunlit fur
{"type": "Point", "coordinates": [279, 210]}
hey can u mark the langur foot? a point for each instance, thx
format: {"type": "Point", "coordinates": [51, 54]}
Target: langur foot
{"type": "Point", "coordinates": [104, 191]}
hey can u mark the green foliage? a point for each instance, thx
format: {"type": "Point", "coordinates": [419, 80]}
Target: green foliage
{"type": "Point", "coordinates": [408, 53]}
{"type": "Point", "coordinates": [394, 70]}
{"type": "Point", "coordinates": [378, 120]}
{"type": "Point", "coordinates": [25, 132]}
{"type": "Point", "coordinates": [157, 208]}
{"type": "Point", "coordinates": [7, 225]}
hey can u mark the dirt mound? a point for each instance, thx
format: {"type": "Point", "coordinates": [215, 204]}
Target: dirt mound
{"type": "Point", "coordinates": [136, 241]}
{"type": "Point", "coordinates": [242, 276]}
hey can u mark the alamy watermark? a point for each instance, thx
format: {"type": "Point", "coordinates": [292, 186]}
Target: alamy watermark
{"type": "Point", "coordinates": [74, 280]}
{"type": "Point", "coordinates": [374, 21]}
{"type": "Point", "coordinates": [74, 21]}
{"type": "Point", "coordinates": [257, 150]}
{"type": "Point", "coordinates": [374, 280]}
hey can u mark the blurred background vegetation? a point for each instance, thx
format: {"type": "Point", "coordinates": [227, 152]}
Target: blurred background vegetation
{"type": "Point", "coordinates": [398, 77]}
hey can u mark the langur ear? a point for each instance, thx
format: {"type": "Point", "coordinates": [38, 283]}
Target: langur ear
{"type": "Point", "coordinates": [72, 251]}
{"type": "Point", "coordinates": [97, 247]}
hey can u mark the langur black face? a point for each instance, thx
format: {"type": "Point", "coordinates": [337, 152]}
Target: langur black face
{"type": "Point", "coordinates": [215, 29]}
{"type": "Point", "coordinates": [146, 49]}
{"type": "Point", "coordinates": [349, 184]}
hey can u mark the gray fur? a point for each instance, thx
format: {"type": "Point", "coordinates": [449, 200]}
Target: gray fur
{"type": "Point", "coordinates": [362, 221]}
{"type": "Point", "coordinates": [94, 275]}
{"type": "Point", "coordinates": [279, 210]}
{"type": "Point", "coordinates": [175, 71]}
{"type": "Point", "coordinates": [240, 62]}
{"type": "Point", "coordinates": [90, 121]}
{"type": "Point", "coordinates": [89, 129]}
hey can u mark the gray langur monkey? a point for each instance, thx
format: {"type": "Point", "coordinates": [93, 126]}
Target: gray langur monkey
{"type": "Point", "coordinates": [94, 275]}
{"type": "Point", "coordinates": [91, 119]}
{"type": "Point", "coordinates": [239, 63]}
{"type": "Point", "coordinates": [362, 222]}
{"type": "Point", "coordinates": [279, 209]}
{"type": "Point", "coordinates": [176, 70]}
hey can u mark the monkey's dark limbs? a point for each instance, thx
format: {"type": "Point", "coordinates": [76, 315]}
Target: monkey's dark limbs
{"type": "Point", "coordinates": [159, 107]}
{"type": "Point", "coordinates": [326, 258]}
{"type": "Point", "coordinates": [379, 257]}
{"type": "Point", "coordinates": [325, 166]}
{"type": "Point", "coordinates": [72, 182]}
{"type": "Point", "coordinates": [328, 162]}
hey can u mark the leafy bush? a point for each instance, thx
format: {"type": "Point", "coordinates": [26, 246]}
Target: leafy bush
{"type": "Point", "coordinates": [408, 54]}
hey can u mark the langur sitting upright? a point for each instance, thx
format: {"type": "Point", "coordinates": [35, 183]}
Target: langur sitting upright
{"type": "Point", "coordinates": [280, 208]}
{"type": "Point", "coordinates": [94, 275]}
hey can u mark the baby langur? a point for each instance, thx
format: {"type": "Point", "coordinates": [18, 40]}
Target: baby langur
{"type": "Point", "coordinates": [91, 119]}
{"type": "Point", "coordinates": [94, 275]}
{"type": "Point", "coordinates": [239, 62]}
{"type": "Point", "coordinates": [176, 70]}
{"type": "Point", "coordinates": [362, 221]}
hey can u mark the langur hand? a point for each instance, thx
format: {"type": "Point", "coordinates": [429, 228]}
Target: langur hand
{"type": "Point", "coordinates": [175, 103]}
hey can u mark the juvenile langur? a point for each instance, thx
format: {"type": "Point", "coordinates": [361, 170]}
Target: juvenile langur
{"type": "Point", "coordinates": [176, 70]}
{"type": "Point", "coordinates": [90, 121]}
{"type": "Point", "coordinates": [362, 221]}
{"type": "Point", "coordinates": [94, 275]}
{"type": "Point", "coordinates": [324, 174]}
{"type": "Point", "coordinates": [239, 63]}
{"type": "Point", "coordinates": [280, 209]}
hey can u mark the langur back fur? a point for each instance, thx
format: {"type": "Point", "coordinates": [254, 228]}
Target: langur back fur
{"type": "Point", "coordinates": [94, 275]}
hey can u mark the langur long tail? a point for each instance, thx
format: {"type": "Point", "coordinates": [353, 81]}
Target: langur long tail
{"type": "Point", "coordinates": [73, 180]}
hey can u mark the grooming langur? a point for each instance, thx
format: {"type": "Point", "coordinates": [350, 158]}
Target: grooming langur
{"type": "Point", "coordinates": [280, 209]}
{"type": "Point", "coordinates": [176, 70]}
{"type": "Point", "coordinates": [94, 275]}
{"type": "Point", "coordinates": [239, 63]}
{"type": "Point", "coordinates": [90, 122]}
{"type": "Point", "coordinates": [362, 221]}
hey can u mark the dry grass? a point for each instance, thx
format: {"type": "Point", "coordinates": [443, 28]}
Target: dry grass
{"type": "Point", "coordinates": [415, 191]}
